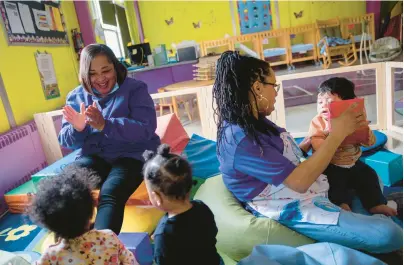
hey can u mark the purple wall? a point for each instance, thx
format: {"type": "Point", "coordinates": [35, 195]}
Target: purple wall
{"type": "Point", "coordinates": [161, 77]}
{"type": "Point", "coordinates": [85, 22]}
{"type": "Point", "coordinates": [374, 7]}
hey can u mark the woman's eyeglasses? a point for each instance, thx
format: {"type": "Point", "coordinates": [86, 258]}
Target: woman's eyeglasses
{"type": "Point", "coordinates": [276, 86]}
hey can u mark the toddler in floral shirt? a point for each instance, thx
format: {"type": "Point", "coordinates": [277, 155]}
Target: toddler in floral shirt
{"type": "Point", "coordinates": [64, 205]}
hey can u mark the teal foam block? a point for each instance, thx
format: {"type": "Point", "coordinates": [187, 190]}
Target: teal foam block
{"type": "Point", "coordinates": [388, 165]}
{"type": "Point", "coordinates": [54, 169]}
{"type": "Point", "coordinates": [201, 154]}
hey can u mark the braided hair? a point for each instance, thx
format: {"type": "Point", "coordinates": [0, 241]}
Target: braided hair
{"type": "Point", "coordinates": [168, 173]}
{"type": "Point", "coordinates": [235, 76]}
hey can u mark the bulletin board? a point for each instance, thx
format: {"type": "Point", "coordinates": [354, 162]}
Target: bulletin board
{"type": "Point", "coordinates": [33, 22]}
{"type": "Point", "coordinates": [254, 16]}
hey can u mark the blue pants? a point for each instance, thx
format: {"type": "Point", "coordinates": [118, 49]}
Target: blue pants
{"type": "Point", "coordinates": [119, 180]}
{"type": "Point", "coordinates": [371, 233]}
{"type": "Point", "coordinates": [312, 254]}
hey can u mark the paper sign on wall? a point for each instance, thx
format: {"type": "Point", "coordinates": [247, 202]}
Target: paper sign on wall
{"type": "Point", "coordinates": [14, 18]}
{"type": "Point", "coordinates": [47, 74]}
{"type": "Point", "coordinates": [26, 18]}
{"type": "Point", "coordinates": [41, 20]}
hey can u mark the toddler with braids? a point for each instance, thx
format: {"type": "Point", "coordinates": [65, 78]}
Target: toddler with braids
{"type": "Point", "coordinates": [187, 233]}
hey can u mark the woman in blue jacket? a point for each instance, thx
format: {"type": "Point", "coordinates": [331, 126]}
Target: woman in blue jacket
{"type": "Point", "coordinates": [111, 117]}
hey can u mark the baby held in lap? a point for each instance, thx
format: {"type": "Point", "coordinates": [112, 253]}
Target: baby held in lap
{"type": "Point", "coordinates": [346, 172]}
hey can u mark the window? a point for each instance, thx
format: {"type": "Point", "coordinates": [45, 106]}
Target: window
{"type": "Point", "coordinates": [106, 13]}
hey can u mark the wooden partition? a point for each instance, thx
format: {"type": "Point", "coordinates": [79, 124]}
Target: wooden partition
{"type": "Point", "coordinates": [206, 45]}
{"type": "Point", "coordinates": [253, 39]}
{"type": "Point", "coordinates": [380, 97]}
{"type": "Point", "coordinates": [311, 34]}
{"type": "Point", "coordinates": [206, 104]}
{"type": "Point", "coordinates": [282, 37]}
{"type": "Point", "coordinates": [308, 32]}
{"type": "Point", "coordinates": [391, 68]}
{"type": "Point", "coordinates": [48, 135]}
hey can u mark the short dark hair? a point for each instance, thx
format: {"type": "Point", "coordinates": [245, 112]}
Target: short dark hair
{"type": "Point", "coordinates": [63, 203]}
{"type": "Point", "coordinates": [169, 173]}
{"type": "Point", "coordinates": [235, 75]}
{"type": "Point", "coordinates": [340, 86]}
{"type": "Point", "coordinates": [87, 56]}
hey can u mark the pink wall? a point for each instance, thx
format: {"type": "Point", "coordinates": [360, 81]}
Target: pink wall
{"type": "Point", "coordinates": [374, 7]}
{"type": "Point", "coordinates": [85, 22]}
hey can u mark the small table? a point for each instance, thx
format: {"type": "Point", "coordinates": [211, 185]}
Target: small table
{"type": "Point", "coordinates": [185, 85]}
{"type": "Point", "coordinates": [188, 84]}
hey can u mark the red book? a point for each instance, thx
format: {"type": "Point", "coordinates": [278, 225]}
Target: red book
{"type": "Point", "coordinates": [361, 135]}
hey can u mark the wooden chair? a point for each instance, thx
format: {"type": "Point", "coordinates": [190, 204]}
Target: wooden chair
{"type": "Point", "coordinates": [353, 25]}
{"type": "Point", "coordinates": [187, 100]}
{"type": "Point", "coordinates": [332, 28]}
{"type": "Point", "coordinates": [163, 103]}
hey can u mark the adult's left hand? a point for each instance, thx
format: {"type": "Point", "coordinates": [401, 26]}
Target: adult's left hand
{"type": "Point", "coordinates": [95, 118]}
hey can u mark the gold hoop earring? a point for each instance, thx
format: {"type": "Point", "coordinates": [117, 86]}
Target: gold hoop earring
{"type": "Point", "coordinates": [260, 98]}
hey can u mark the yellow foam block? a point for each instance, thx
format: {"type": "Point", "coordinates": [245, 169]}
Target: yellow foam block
{"type": "Point", "coordinates": [141, 219]}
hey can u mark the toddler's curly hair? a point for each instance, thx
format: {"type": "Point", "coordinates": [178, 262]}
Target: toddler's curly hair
{"type": "Point", "coordinates": [63, 203]}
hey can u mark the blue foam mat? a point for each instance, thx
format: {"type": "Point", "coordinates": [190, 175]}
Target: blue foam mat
{"type": "Point", "coordinates": [201, 153]}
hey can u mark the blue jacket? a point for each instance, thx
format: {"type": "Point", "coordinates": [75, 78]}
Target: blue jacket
{"type": "Point", "coordinates": [130, 123]}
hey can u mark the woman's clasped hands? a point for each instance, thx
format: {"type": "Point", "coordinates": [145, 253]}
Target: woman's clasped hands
{"type": "Point", "coordinates": [91, 116]}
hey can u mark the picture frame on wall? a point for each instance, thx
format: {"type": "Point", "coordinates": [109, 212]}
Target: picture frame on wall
{"type": "Point", "coordinates": [254, 16]}
{"type": "Point", "coordinates": [33, 23]}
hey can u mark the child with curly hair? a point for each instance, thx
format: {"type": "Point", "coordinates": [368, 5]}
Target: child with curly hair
{"type": "Point", "coordinates": [187, 233]}
{"type": "Point", "coordinates": [65, 206]}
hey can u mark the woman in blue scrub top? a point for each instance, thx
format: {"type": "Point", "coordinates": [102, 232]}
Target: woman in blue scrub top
{"type": "Point", "coordinates": [265, 169]}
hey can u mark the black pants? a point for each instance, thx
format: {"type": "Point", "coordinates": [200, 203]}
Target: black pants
{"type": "Point", "coordinates": [119, 180]}
{"type": "Point", "coordinates": [360, 179]}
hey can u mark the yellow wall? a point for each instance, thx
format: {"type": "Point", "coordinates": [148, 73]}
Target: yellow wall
{"type": "Point", "coordinates": [321, 10]}
{"type": "Point", "coordinates": [132, 22]}
{"type": "Point", "coordinates": [21, 78]}
{"type": "Point", "coordinates": [216, 17]}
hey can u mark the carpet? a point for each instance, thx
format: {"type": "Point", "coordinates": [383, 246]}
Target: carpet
{"type": "Point", "coordinates": [17, 232]}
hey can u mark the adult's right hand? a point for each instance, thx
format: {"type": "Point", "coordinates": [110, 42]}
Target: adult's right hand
{"type": "Point", "coordinates": [348, 122]}
{"type": "Point", "coordinates": [77, 119]}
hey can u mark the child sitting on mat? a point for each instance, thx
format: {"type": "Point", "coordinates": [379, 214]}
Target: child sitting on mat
{"type": "Point", "coordinates": [65, 206]}
{"type": "Point", "coordinates": [187, 233]}
{"type": "Point", "coordinates": [346, 172]}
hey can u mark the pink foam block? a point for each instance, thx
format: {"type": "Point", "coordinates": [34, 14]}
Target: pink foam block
{"type": "Point", "coordinates": [171, 132]}
{"type": "Point", "coordinates": [361, 135]}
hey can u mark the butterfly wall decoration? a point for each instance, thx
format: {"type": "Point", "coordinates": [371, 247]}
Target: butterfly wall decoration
{"type": "Point", "coordinates": [170, 21]}
{"type": "Point", "coordinates": [298, 15]}
{"type": "Point", "coordinates": [196, 25]}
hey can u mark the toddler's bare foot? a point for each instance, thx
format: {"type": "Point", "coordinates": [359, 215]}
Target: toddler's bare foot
{"type": "Point", "coordinates": [345, 207]}
{"type": "Point", "coordinates": [383, 209]}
